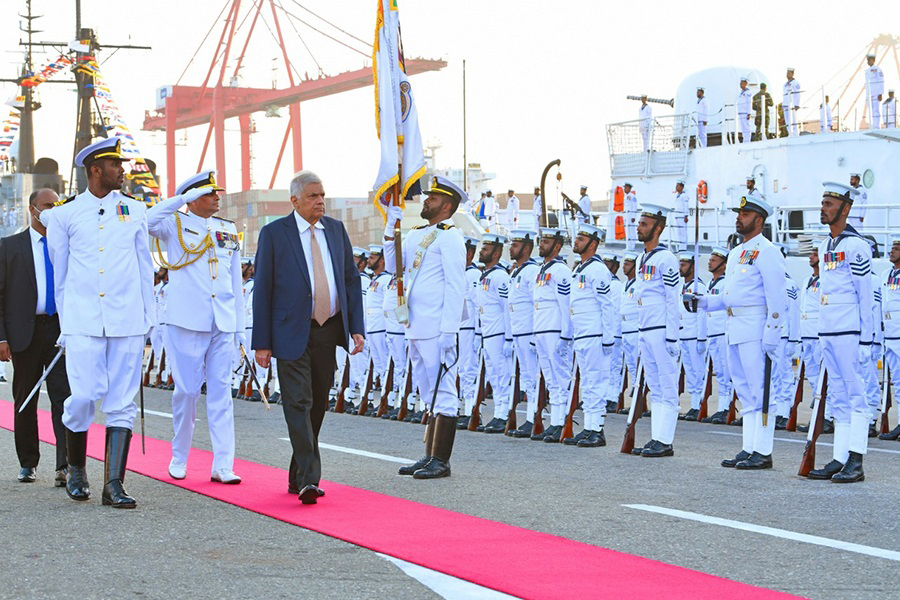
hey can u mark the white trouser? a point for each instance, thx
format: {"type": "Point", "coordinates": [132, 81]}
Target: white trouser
{"type": "Point", "coordinates": [496, 368]}
{"type": "Point", "coordinates": [557, 372]}
{"type": "Point", "coordinates": [747, 363]}
{"type": "Point", "coordinates": [200, 355]}
{"type": "Point", "coordinates": [468, 357]}
{"type": "Point", "coordinates": [892, 361]}
{"type": "Point", "coordinates": [470, 377]}
{"type": "Point", "coordinates": [340, 361]}
{"type": "Point", "coordinates": [790, 120]}
{"type": "Point", "coordinates": [104, 370]}
{"type": "Point", "coordinates": [359, 362]}
{"type": "Point", "coordinates": [529, 373]}
{"type": "Point", "coordinates": [679, 231]}
{"type": "Point", "coordinates": [744, 123]}
{"type": "Point", "coordinates": [876, 112]}
{"type": "Point", "coordinates": [845, 388]}
{"type": "Point", "coordinates": [379, 352]}
{"type": "Point", "coordinates": [397, 349]}
{"type": "Point", "coordinates": [645, 137]}
{"type": "Point", "coordinates": [812, 359]}
{"type": "Point", "coordinates": [426, 361]}
{"type": "Point", "coordinates": [719, 351]}
{"type": "Point", "coordinates": [275, 386]}
{"type": "Point", "coordinates": [156, 344]}
{"type": "Point", "coordinates": [594, 367]}
{"type": "Point", "coordinates": [783, 372]}
{"type": "Point", "coordinates": [869, 373]}
{"type": "Point", "coordinates": [662, 379]}
{"type": "Point", "coordinates": [632, 351]}
{"type": "Point", "coordinates": [701, 134]}
{"type": "Point", "coordinates": [613, 386]}
{"type": "Point", "coordinates": [694, 371]}
{"type": "Point", "coordinates": [630, 230]}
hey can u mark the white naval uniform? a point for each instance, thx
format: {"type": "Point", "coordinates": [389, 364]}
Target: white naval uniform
{"type": "Point", "coordinates": [538, 211]}
{"type": "Point", "coordinates": [645, 116]}
{"type": "Point", "coordinates": [616, 360]}
{"type": "Point", "coordinates": [491, 297]}
{"type": "Point", "coordinates": [161, 298]}
{"type": "Point", "coordinates": [359, 362]}
{"type": "Point", "coordinates": [659, 303]}
{"type": "Point", "coordinates": [584, 203]}
{"type": "Point", "coordinates": [262, 373]}
{"type": "Point", "coordinates": [811, 348]}
{"type": "Point", "coordinates": [890, 315]}
{"type": "Point", "coordinates": [512, 212]}
{"type": "Point", "coordinates": [552, 323]}
{"type": "Point", "coordinates": [676, 220]}
{"type": "Point", "coordinates": [434, 296]}
{"type": "Point", "coordinates": [755, 298]}
{"type": "Point", "coordinates": [593, 323]}
{"type": "Point", "coordinates": [103, 277]}
{"type": "Point", "coordinates": [631, 219]}
{"type": "Point", "coordinates": [858, 210]}
{"type": "Point", "coordinates": [702, 115]}
{"type": "Point", "coordinates": [825, 122]}
{"type": "Point", "coordinates": [692, 342]}
{"type": "Point", "coordinates": [718, 349]}
{"type": "Point", "coordinates": [469, 342]}
{"type": "Point", "coordinates": [156, 332]}
{"type": "Point", "coordinates": [869, 371]}
{"type": "Point", "coordinates": [783, 368]}
{"type": "Point", "coordinates": [845, 325]}
{"type": "Point", "coordinates": [205, 311]}
{"type": "Point", "coordinates": [890, 112]}
{"type": "Point", "coordinates": [744, 114]}
{"type": "Point", "coordinates": [375, 325]}
{"type": "Point", "coordinates": [875, 88]}
{"type": "Point", "coordinates": [395, 336]}
{"type": "Point", "coordinates": [521, 321]}
{"type": "Point", "coordinates": [628, 308]}
{"type": "Point", "coordinates": [790, 100]}
{"type": "Point", "coordinates": [489, 210]}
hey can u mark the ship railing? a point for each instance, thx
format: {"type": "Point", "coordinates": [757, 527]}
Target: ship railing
{"type": "Point", "coordinates": [647, 147]}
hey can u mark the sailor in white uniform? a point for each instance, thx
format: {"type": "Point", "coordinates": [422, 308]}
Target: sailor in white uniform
{"type": "Point", "coordinates": [702, 117]}
{"type": "Point", "coordinates": [628, 309]}
{"type": "Point", "coordinates": [553, 329]}
{"type": "Point", "coordinates": [790, 103]}
{"type": "Point", "coordinates": [874, 89]}
{"type": "Point", "coordinates": [825, 121]}
{"type": "Point", "coordinates": [858, 212]}
{"type": "Point", "coordinates": [522, 280]}
{"type": "Point", "coordinates": [870, 371]}
{"type": "Point", "coordinates": [755, 300]}
{"type": "Point", "coordinates": [157, 335]}
{"type": "Point", "coordinates": [584, 206]}
{"type": "Point", "coordinates": [846, 332]}
{"type": "Point", "coordinates": [103, 275]}
{"type": "Point", "coordinates": [395, 338]}
{"type": "Point", "coordinates": [692, 337]}
{"type": "Point", "coordinates": [715, 334]}
{"type": "Point", "coordinates": [890, 110]}
{"type": "Point", "coordinates": [359, 362]}
{"type": "Point", "coordinates": [489, 210]}
{"type": "Point", "coordinates": [537, 208]}
{"type": "Point", "coordinates": [631, 216]}
{"type": "Point", "coordinates": [752, 191]}
{"type": "Point", "coordinates": [376, 328]}
{"type": "Point", "coordinates": [659, 306]}
{"type": "Point", "coordinates": [783, 369]}
{"type": "Point", "coordinates": [645, 118]}
{"type": "Point", "coordinates": [679, 217]}
{"type": "Point", "coordinates": [616, 361]}
{"type": "Point", "coordinates": [469, 347]}
{"type": "Point", "coordinates": [890, 314]}
{"type": "Point", "coordinates": [810, 295]}
{"type": "Point", "coordinates": [512, 210]}
{"type": "Point", "coordinates": [745, 111]}
{"type": "Point", "coordinates": [434, 259]}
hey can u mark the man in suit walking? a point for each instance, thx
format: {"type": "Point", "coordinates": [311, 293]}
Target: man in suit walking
{"type": "Point", "coordinates": [29, 328]}
{"type": "Point", "coordinates": [307, 300]}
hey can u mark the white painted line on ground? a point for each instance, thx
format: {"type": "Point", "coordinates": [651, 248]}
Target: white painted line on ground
{"type": "Point", "coordinates": [367, 454]}
{"type": "Point", "coordinates": [771, 531]}
{"type": "Point", "coordinates": [158, 413]}
{"type": "Point", "coordinates": [445, 586]}
{"type": "Point", "coordinates": [793, 441]}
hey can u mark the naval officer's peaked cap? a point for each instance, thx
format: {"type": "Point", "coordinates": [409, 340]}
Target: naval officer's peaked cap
{"type": "Point", "coordinates": [204, 179]}
{"type": "Point", "coordinates": [108, 148]}
{"type": "Point", "coordinates": [444, 187]}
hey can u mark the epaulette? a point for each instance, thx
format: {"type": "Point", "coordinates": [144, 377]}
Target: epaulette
{"type": "Point", "coordinates": [66, 201]}
{"type": "Point", "coordinates": [222, 219]}
{"type": "Point", "coordinates": [445, 226]}
{"type": "Point", "coordinates": [420, 226]}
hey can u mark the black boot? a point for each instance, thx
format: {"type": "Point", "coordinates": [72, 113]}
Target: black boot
{"type": "Point", "coordinates": [573, 441]}
{"type": "Point", "coordinates": [852, 471]}
{"type": "Point", "coordinates": [756, 462]}
{"type": "Point", "coordinates": [524, 431]}
{"type": "Point", "coordinates": [872, 431]}
{"type": "Point", "coordinates": [826, 472]}
{"type": "Point", "coordinates": [429, 437]}
{"type": "Point", "coordinates": [441, 449]}
{"type": "Point", "coordinates": [553, 435]}
{"type": "Point", "coordinates": [893, 434]}
{"type": "Point", "coordinates": [594, 439]}
{"type": "Point", "coordinates": [77, 486]}
{"type": "Point", "coordinates": [731, 462]}
{"type": "Point", "coordinates": [118, 439]}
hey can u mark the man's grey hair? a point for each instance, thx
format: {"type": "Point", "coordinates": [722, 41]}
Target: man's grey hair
{"type": "Point", "coordinates": [301, 180]}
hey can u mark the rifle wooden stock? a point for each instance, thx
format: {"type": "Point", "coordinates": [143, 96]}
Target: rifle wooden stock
{"type": "Point", "coordinates": [364, 401]}
{"type": "Point", "coordinates": [680, 377]}
{"type": "Point", "coordinates": [511, 423]}
{"type": "Point", "coordinates": [623, 387]}
{"type": "Point", "coordinates": [249, 390]}
{"type": "Point", "coordinates": [815, 426]}
{"type": "Point", "coordinates": [475, 419]}
{"type": "Point", "coordinates": [345, 383]}
{"type": "Point", "coordinates": [638, 404]}
{"type": "Point", "coordinates": [383, 404]}
{"type": "Point", "coordinates": [732, 407]}
{"type": "Point", "coordinates": [707, 391]}
{"type": "Point", "coordinates": [798, 398]}
{"type": "Point", "coordinates": [887, 397]}
{"type": "Point", "coordinates": [407, 390]}
{"type": "Point", "coordinates": [573, 404]}
{"type": "Point", "coordinates": [162, 367]}
{"type": "Point", "coordinates": [543, 394]}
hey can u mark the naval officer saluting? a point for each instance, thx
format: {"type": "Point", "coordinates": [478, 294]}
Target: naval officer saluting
{"type": "Point", "coordinates": [205, 316]}
{"type": "Point", "coordinates": [434, 263]}
{"type": "Point", "coordinates": [103, 275]}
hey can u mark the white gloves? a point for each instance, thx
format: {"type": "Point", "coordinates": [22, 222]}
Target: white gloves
{"type": "Point", "coordinates": [562, 348]}
{"type": "Point", "coordinates": [672, 348]}
{"type": "Point", "coordinates": [394, 214]}
{"type": "Point", "coordinates": [193, 194]}
{"type": "Point", "coordinates": [701, 346]}
{"type": "Point", "coordinates": [702, 301]}
{"type": "Point", "coordinates": [865, 354]}
{"type": "Point", "coordinates": [61, 341]}
{"type": "Point", "coordinates": [447, 344]}
{"type": "Point", "coordinates": [508, 348]}
{"type": "Point", "coordinates": [771, 350]}
{"type": "Point", "coordinates": [241, 337]}
{"type": "Point", "coordinates": [790, 349]}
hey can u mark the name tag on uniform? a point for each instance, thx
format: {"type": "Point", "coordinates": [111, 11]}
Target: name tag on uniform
{"type": "Point", "coordinates": [122, 212]}
{"type": "Point", "coordinates": [191, 231]}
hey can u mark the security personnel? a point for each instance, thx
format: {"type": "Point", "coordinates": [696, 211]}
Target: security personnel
{"type": "Point", "coordinates": [100, 250]}
{"type": "Point", "coordinates": [845, 328]}
{"type": "Point", "coordinates": [628, 309]}
{"type": "Point", "coordinates": [755, 299]}
{"type": "Point", "coordinates": [825, 122]}
{"type": "Point", "coordinates": [715, 334]}
{"type": "Point", "coordinates": [790, 103]}
{"type": "Point", "coordinates": [489, 209]}
{"type": "Point", "coordinates": [469, 347]}
{"type": "Point", "coordinates": [491, 298]}
{"type": "Point", "coordinates": [874, 89]}
{"type": "Point", "coordinates": [890, 314]}
{"type": "Point", "coordinates": [376, 328]}
{"type": "Point", "coordinates": [157, 335]}
{"type": "Point", "coordinates": [659, 305]}
{"type": "Point", "coordinates": [645, 119]}
{"type": "Point", "coordinates": [593, 323]}
{"type": "Point", "coordinates": [890, 110]}
{"type": "Point", "coordinates": [680, 217]}
{"type": "Point", "coordinates": [359, 362]}
{"type": "Point", "coordinates": [262, 373]}
{"type": "Point", "coordinates": [616, 366]}
{"type": "Point", "coordinates": [434, 259]}
{"type": "Point", "coordinates": [522, 281]}
{"type": "Point", "coordinates": [783, 369]}
{"type": "Point", "coordinates": [631, 216]}
{"type": "Point", "coordinates": [692, 337]}
{"type": "Point", "coordinates": [702, 116]}
{"type": "Point", "coordinates": [553, 329]}
{"type": "Point", "coordinates": [762, 103]}
{"type": "Point", "coordinates": [858, 212]}
{"type": "Point", "coordinates": [870, 371]}
{"type": "Point", "coordinates": [512, 210]}
{"type": "Point", "coordinates": [744, 111]}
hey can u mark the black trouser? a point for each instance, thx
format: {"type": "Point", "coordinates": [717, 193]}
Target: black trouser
{"type": "Point", "coordinates": [28, 366]}
{"type": "Point", "coordinates": [305, 383]}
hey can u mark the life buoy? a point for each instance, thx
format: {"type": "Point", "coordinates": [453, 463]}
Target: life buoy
{"type": "Point", "coordinates": [702, 192]}
{"type": "Point", "coordinates": [620, 227]}
{"type": "Point", "coordinates": [619, 199]}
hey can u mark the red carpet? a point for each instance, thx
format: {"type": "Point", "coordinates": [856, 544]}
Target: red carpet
{"type": "Point", "coordinates": [552, 567]}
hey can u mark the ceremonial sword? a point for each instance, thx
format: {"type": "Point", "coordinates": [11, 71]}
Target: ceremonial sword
{"type": "Point", "coordinates": [252, 372]}
{"type": "Point", "coordinates": [766, 390]}
{"type": "Point", "coordinates": [43, 378]}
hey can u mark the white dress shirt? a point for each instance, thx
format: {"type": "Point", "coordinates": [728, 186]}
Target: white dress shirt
{"type": "Point", "coordinates": [40, 271]}
{"type": "Point", "coordinates": [306, 242]}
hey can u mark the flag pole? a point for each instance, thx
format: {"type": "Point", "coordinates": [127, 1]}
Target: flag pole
{"type": "Point", "coordinates": [398, 244]}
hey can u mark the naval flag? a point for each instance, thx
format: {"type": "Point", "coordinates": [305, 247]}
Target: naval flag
{"type": "Point", "coordinates": [396, 118]}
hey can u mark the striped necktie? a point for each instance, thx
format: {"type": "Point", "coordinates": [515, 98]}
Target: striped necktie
{"type": "Point", "coordinates": [321, 296]}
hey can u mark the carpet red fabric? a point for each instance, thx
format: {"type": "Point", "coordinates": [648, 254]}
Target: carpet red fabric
{"type": "Point", "coordinates": [467, 547]}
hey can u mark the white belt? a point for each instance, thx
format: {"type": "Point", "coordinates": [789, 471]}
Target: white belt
{"type": "Point", "coordinates": [741, 311]}
{"type": "Point", "coordinates": [521, 305]}
{"type": "Point", "coordinates": [582, 311]}
{"type": "Point", "coordinates": [489, 308]}
{"type": "Point", "coordinates": [545, 305]}
{"type": "Point", "coordinates": [809, 316]}
{"type": "Point", "coordinates": [712, 312]}
{"type": "Point", "coordinates": [839, 299]}
{"type": "Point", "coordinates": [650, 302]}
{"type": "Point", "coordinates": [626, 319]}
{"type": "Point", "coordinates": [889, 315]}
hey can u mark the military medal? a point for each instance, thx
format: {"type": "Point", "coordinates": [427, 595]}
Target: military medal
{"type": "Point", "coordinates": [581, 281]}
{"type": "Point", "coordinates": [486, 285]}
{"type": "Point", "coordinates": [834, 259]}
{"type": "Point", "coordinates": [122, 212]}
{"type": "Point", "coordinates": [543, 278]}
{"type": "Point", "coordinates": [747, 257]}
{"type": "Point", "coordinates": [648, 271]}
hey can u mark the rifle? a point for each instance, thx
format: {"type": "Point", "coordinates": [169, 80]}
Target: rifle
{"type": "Point", "coordinates": [707, 392]}
{"type": "Point", "coordinates": [541, 404]}
{"type": "Point", "coordinates": [389, 385]}
{"type": "Point", "coordinates": [638, 400]}
{"type": "Point", "coordinates": [407, 390]}
{"type": "Point", "coordinates": [729, 418]}
{"type": "Point", "coordinates": [886, 397]}
{"type": "Point", "coordinates": [475, 419]}
{"type": "Point", "coordinates": [798, 398]}
{"type": "Point", "coordinates": [364, 401]}
{"type": "Point", "coordinates": [680, 377]}
{"type": "Point", "coordinates": [572, 206]}
{"type": "Point", "coordinates": [516, 392]}
{"type": "Point", "coordinates": [345, 383]}
{"type": "Point", "coordinates": [624, 378]}
{"type": "Point", "coordinates": [767, 390]}
{"type": "Point", "coordinates": [146, 379]}
{"type": "Point", "coordinates": [815, 426]}
{"type": "Point", "coordinates": [162, 367]}
{"type": "Point", "coordinates": [573, 404]}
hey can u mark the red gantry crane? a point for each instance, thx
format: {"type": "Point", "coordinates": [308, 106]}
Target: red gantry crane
{"type": "Point", "coordinates": [213, 103]}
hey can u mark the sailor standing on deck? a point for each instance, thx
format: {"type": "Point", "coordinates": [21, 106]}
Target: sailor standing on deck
{"type": "Point", "coordinates": [874, 89]}
{"type": "Point", "coordinates": [744, 111]}
{"type": "Point", "coordinates": [680, 217]}
{"type": "Point", "coordinates": [755, 299]}
{"type": "Point", "coordinates": [659, 305]}
{"type": "Point", "coordinates": [103, 275]}
{"type": "Point", "coordinates": [645, 116]}
{"type": "Point", "coordinates": [512, 210]}
{"type": "Point", "coordinates": [434, 262]}
{"type": "Point", "coordinates": [752, 191]}
{"type": "Point", "coordinates": [858, 211]}
{"type": "Point", "coordinates": [522, 281]}
{"type": "Point", "coordinates": [692, 337]}
{"type": "Point", "coordinates": [715, 333]}
{"type": "Point", "coordinates": [489, 209]}
{"type": "Point", "coordinates": [538, 208]}
{"type": "Point", "coordinates": [790, 103]}
{"type": "Point", "coordinates": [845, 328]}
{"type": "Point", "coordinates": [702, 117]}
{"type": "Point", "coordinates": [825, 121]}
{"type": "Point", "coordinates": [890, 314]}
{"type": "Point", "coordinates": [469, 347]}
{"type": "Point", "coordinates": [631, 216]}
{"type": "Point", "coordinates": [584, 205]}
{"type": "Point", "coordinates": [890, 110]}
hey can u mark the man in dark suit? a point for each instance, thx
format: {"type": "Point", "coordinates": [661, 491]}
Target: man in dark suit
{"type": "Point", "coordinates": [307, 300]}
{"type": "Point", "coordinates": [29, 329]}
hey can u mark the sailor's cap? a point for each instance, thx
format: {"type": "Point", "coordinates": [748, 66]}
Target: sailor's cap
{"type": "Point", "coordinates": [553, 232]}
{"type": "Point", "coordinates": [494, 239]}
{"type": "Point", "coordinates": [895, 240]}
{"type": "Point", "coordinates": [445, 187]}
{"type": "Point", "coordinates": [360, 252]}
{"type": "Point", "coordinates": [537, 187]}
{"type": "Point", "coordinates": [246, 260]}
{"type": "Point", "coordinates": [471, 242]}
{"type": "Point", "coordinates": [679, 181]}
{"type": "Point", "coordinates": [890, 90]}
{"type": "Point", "coordinates": [719, 251]}
{"type": "Point", "coordinates": [488, 192]}
{"type": "Point", "coordinates": [686, 256]}
{"type": "Point", "coordinates": [870, 55]}
{"type": "Point", "coordinates": [375, 249]}
{"type": "Point", "coordinates": [583, 186]}
{"type": "Point", "coordinates": [840, 191]}
{"type": "Point", "coordinates": [106, 148]}
{"type": "Point", "coordinates": [751, 178]}
{"type": "Point", "coordinates": [610, 256]}
{"type": "Point", "coordinates": [522, 235]}
{"type": "Point", "coordinates": [657, 211]}
{"type": "Point", "coordinates": [643, 96]}
{"type": "Point", "coordinates": [854, 174]}
{"type": "Point", "coordinates": [510, 191]}
{"type": "Point", "coordinates": [701, 88]}
{"type": "Point", "coordinates": [744, 80]}
{"type": "Point", "coordinates": [204, 179]}
{"type": "Point", "coordinates": [756, 204]}
{"type": "Point", "coordinates": [791, 69]}
{"type": "Point", "coordinates": [632, 256]}
{"type": "Point", "coordinates": [591, 231]}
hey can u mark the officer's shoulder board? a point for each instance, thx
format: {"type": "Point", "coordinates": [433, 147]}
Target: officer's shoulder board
{"type": "Point", "coordinates": [445, 226]}
{"type": "Point", "coordinates": [66, 201]}
{"type": "Point", "coordinates": [223, 219]}
{"type": "Point", "coordinates": [420, 226]}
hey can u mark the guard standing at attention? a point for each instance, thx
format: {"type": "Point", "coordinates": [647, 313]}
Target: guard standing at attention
{"type": "Point", "coordinates": [631, 216]}
{"type": "Point", "coordinates": [790, 103]}
{"type": "Point", "coordinates": [628, 309]}
{"type": "Point", "coordinates": [680, 217]}
{"type": "Point", "coordinates": [522, 281]}
{"type": "Point", "coordinates": [702, 117]}
{"type": "Point", "coordinates": [692, 337]}
{"type": "Point", "coordinates": [614, 382]}
{"type": "Point", "coordinates": [890, 314]}
{"type": "Point", "coordinates": [744, 111]}
{"type": "Point", "coordinates": [469, 347]}
{"type": "Point", "coordinates": [874, 89]}
{"type": "Point", "coordinates": [715, 333]}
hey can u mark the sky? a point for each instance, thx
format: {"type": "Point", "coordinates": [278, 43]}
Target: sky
{"type": "Point", "coordinates": [543, 79]}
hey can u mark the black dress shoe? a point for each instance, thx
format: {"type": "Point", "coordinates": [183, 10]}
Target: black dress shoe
{"type": "Point", "coordinates": [234, 391]}
{"type": "Point", "coordinates": [524, 431]}
{"type": "Point", "coordinates": [27, 475]}
{"type": "Point", "coordinates": [781, 423]}
{"type": "Point", "coordinates": [293, 490]}
{"type": "Point", "coordinates": [537, 437]}
{"type": "Point", "coordinates": [828, 426]}
{"type": "Point", "coordinates": [893, 434]}
{"type": "Point", "coordinates": [692, 414]}
{"type": "Point", "coordinates": [872, 431]}
{"type": "Point", "coordinates": [60, 479]}
{"type": "Point", "coordinates": [594, 439]}
{"type": "Point", "coordinates": [826, 472]}
{"type": "Point", "coordinates": [623, 411]}
{"type": "Point", "coordinates": [410, 469]}
{"type": "Point", "coordinates": [573, 441]}
{"type": "Point", "coordinates": [462, 422]}
{"type": "Point", "coordinates": [309, 494]}
{"type": "Point", "coordinates": [756, 462]}
{"type": "Point", "coordinates": [637, 451]}
{"type": "Point", "coordinates": [737, 422]}
{"type": "Point", "coordinates": [657, 450]}
{"type": "Point", "coordinates": [554, 434]}
{"type": "Point", "coordinates": [275, 398]}
{"type": "Point", "coordinates": [498, 426]}
{"type": "Point", "coordinates": [417, 416]}
{"type": "Point", "coordinates": [611, 406]}
{"type": "Point", "coordinates": [433, 469]}
{"type": "Point", "coordinates": [647, 413]}
{"type": "Point", "coordinates": [484, 426]}
{"type": "Point", "coordinates": [852, 471]}
{"type": "Point", "coordinates": [731, 462]}
{"type": "Point", "coordinates": [718, 418]}
{"type": "Point", "coordinates": [803, 428]}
